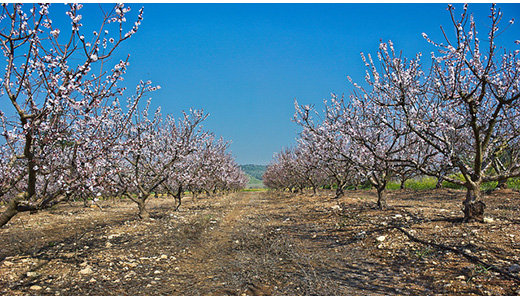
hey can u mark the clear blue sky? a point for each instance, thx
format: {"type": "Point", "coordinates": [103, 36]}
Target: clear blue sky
{"type": "Point", "coordinates": [246, 63]}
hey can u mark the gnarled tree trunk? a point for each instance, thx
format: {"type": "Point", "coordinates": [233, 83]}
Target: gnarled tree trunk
{"type": "Point", "coordinates": [9, 213]}
{"type": "Point", "coordinates": [178, 198]}
{"type": "Point", "coordinates": [401, 187]}
{"type": "Point", "coordinates": [339, 192]}
{"type": "Point", "coordinates": [143, 212]}
{"type": "Point", "coordinates": [12, 209]}
{"type": "Point", "coordinates": [381, 197]}
{"type": "Point", "coordinates": [502, 184]}
{"type": "Point", "coordinates": [473, 205]}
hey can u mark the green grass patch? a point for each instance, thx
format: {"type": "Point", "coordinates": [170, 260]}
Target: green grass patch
{"type": "Point", "coordinates": [428, 183]}
{"type": "Point", "coordinates": [254, 190]}
{"type": "Point", "coordinates": [423, 183]}
{"type": "Point", "coordinates": [512, 183]}
{"type": "Point", "coordinates": [416, 184]}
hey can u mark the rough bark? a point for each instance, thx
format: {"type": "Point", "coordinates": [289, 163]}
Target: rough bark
{"type": "Point", "coordinates": [12, 209]}
{"type": "Point", "coordinates": [178, 198]}
{"type": "Point", "coordinates": [339, 192]}
{"type": "Point", "coordinates": [502, 184]}
{"type": "Point", "coordinates": [473, 205]}
{"type": "Point", "coordinates": [9, 213]}
{"type": "Point", "coordinates": [440, 180]}
{"type": "Point", "coordinates": [143, 211]}
{"type": "Point", "coordinates": [381, 197]}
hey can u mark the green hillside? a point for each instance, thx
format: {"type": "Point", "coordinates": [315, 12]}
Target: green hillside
{"type": "Point", "coordinates": [255, 173]}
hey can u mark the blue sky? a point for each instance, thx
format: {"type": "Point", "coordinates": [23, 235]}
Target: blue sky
{"type": "Point", "coordinates": [245, 64]}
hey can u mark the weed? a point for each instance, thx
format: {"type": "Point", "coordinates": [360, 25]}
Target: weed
{"type": "Point", "coordinates": [477, 269]}
{"type": "Point", "coordinates": [423, 252]}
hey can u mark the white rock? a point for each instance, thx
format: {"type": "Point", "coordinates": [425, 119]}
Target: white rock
{"type": "Point", "coordinates": [164, 256]}
{"type": "Point", "coordinates": [381, 238]}
{"type": "Point", "coordinates": [35, 288]}
{"type": "Point", "coordinates": [32, 274]}
{"type": "Point", "coordinates": [86, 271]}
{"type": "Point", "coordinates": [113, 236]}
{"type": "Point", "coordinates": [488, 220]}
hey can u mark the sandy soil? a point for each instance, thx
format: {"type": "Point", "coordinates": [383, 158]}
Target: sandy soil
{"type": "Point", "coordinates": [267, 243]}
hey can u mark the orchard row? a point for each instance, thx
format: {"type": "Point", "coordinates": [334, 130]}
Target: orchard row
{"type": "Point", "coordinates": [70, 137]}
{"type": "Point", "coordinates": [457, 120]}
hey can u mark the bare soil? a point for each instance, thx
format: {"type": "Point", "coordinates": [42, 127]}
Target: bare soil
{"type": "Point", "coordinates": [267, 243]}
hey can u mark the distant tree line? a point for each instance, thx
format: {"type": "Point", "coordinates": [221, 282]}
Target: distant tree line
{"type": "Point", "coordinates": [256, 171]}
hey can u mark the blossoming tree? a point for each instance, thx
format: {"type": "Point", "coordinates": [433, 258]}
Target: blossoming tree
{"type": "Point", "coordinates": [63, 95]}
{"type": "Point", "coordinates": [466, 109]}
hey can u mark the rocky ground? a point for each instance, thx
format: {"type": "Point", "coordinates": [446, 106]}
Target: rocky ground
{"type": "Point", "coordinates": [266, 243]}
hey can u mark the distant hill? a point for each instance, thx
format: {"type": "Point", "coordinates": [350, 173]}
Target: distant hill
{"type": "Point", "coordinates": [255, 173]}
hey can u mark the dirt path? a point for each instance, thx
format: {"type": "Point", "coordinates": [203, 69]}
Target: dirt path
{"type": "Point", "coordinates": [262, 243]}
{"type": "Point", "coordinates": [264, 246]}
{"type": "Point", "coordinates": [205, 263]}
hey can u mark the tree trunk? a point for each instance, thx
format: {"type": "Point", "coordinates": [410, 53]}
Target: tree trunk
{"type": "Point", "coordinates": [473, 206]}
{"type": "Point", "coordinates": [143, 212]}
{"type": "Point", "coordinates": [439, 183]}
{"type": "Point", "coordinates": [178, 198]}
{"type": "Point", "coordinates": [381, 197]}
{"type": "Point", "coordinates": [9, 213]}
{"type": "Point", "coordinates": [339, 192]}
{"type": "Point", "coordinates": [12, 209]}
{"type": "Point", "coordinates": [502, 184]}
{"type": "Point", "coordinates": [402, 184]}
{"type": "Point", "coordinates": [440, 179]}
